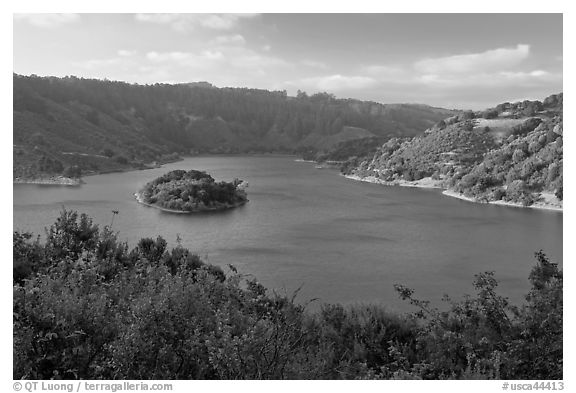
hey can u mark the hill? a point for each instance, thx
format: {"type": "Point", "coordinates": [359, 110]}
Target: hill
{"type": "Point", "coordinates": [510, 153]}
{"type": "Point", "coordinates": [100, 125]}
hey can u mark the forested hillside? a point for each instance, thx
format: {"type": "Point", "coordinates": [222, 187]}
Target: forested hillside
{"type": "Point", "coordinates": [100, 125]}
{"type": "Point", "coordinates": [88, 306]}
{"type": "Point", "coordinates": [512, 152]}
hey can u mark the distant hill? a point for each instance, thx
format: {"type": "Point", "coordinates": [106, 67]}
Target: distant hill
{"type": "Point", "coordinates": [100, 125]}
{"type": "Point", "coordinates": [512, 152]}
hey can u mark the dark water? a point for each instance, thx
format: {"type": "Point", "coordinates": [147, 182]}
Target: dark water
{"type": "Point", "coordinates": [343, 240]}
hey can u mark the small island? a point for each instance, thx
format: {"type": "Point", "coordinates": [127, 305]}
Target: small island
{"type": "Point", "coordinates": [181, 191]}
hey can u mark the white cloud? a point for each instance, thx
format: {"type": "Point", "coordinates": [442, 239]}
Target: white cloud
{"type": "Point", "coordinates": [94, 64]}
{"type": "Point", "coordinates": [336, 82]}
{"type": "Point", "coordinates": [239, 57]}
{"type": "Point", "coordinates": [235, 39]}
{"type": "Point", "coordinates": [47, 20]}
{"type": "Point", "coordinates": [535, 73]}
{"type": "Point", "coordinates": [126, 53]}
{"type": "Point", "coordinates": [223, 66]}
{"type": "Point", "coordinates": [252, 59]}
{"type": "Point", "coordinates": [490, 80]}
{"type": "Point", "coordinates": [188, 22]}
{"type": "Point", "coordinates": [212, 55]}
{"type": "Point", "coordinates": [382, 70]}
{"type": "Point", "coordinates": [391, 74]}
{"type": "Point", "coordinates": [223, 21]}
{"type": "Point", "coordinates": [314, 64]}
{"type": "Point", "coordinates": [491, 60]}
{"type": "Point", "coordinates": [169, 56]}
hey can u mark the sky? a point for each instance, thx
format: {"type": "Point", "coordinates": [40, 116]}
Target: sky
{"type": "Point", "coordinates": [464, 61]}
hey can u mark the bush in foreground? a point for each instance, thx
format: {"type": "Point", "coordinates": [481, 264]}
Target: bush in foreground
{"type": "Point", "coordinates": [86, 306]}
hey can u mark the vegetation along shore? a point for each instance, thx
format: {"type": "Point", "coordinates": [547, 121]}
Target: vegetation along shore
{"type": "Point", "coordinates": [192, 191]}
{"type": "Point", "coordinates": [509, 155]}
{"type": "Point", "coordinates": [89, 306]}
{"type": "Point", "coordinates": [52, 180]}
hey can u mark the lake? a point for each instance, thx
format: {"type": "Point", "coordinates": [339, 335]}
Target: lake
{"type": "Point", "coordinates": [341, 240]}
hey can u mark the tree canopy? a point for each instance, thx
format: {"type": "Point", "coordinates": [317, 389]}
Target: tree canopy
{"type": "Point", "coordinates": [191, 191]}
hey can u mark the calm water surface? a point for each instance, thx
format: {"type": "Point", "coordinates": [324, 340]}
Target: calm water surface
{"type": "Point", "coordinates": [342, 240]}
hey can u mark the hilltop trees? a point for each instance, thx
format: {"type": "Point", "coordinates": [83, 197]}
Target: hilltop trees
{"type": "Point", "coordinates": [169, 111]}
{"type": "Point", "coordinates": [145, 123]}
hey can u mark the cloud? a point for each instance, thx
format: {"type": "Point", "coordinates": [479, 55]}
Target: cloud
{"type": "Point", "coordinates": [394, 74]}
{"type": "Point", "coordinates": [491, 80]}
{"type": "Point", "coordinates": [491, 60]}
{"type": "Point", "coordinates": [126, 53]}
{"type": "Point", "coordinates": [188, 22]}
{"type": "Point", "coordinates": [239, 57]}
{"type": "Point", "coordinates": [496, 69]}
{"type": "Point", "coordinates": [522, 75]}
{"type": "Point", "coordinates": [95, 64]}
{"type": "Point", "coordinates": [169, 56]}
{"type": "Point", "coordinates": [336, 82]}
{"type": "Point", "coordinates": [382, 70]}
{"type": "Point", "coordinates": [235, 39]}
{"type": "Point", "coordinates": [47, 20]}
{"type": "Point", "coordinates": [223, 66]}
{"type": "Point", "coordinates": [314, 64]}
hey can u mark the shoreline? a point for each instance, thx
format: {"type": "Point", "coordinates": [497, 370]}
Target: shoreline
{"type": "Point", "coordinates": [60, 180]}
{"type": "Point", "coordinates": [436, 184]}
{"type": "Point", "coordinates": [426, 182]}
{"type": "Point", "coordinates": [536, 205]}
{"type": "Point", "coordinates": [138, 197]}
{"type": "Point", "coordinates": [50, 181]}
{"type": "Point", "coordinates": [123, 170]}
{"type": "Point", "coordinates": [148, 166]}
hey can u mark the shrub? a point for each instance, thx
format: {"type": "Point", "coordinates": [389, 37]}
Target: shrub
{"type": "Point", "coordinates": [90, 308]}
{"type": "Point", "coordinates": [559, 193]}
{"type": "Point", "coordinates": [72, 171]}
{"type": "Point", "coordinates": [498, 194]}
{"type": "Point", "coordinates": [526, 126]}
{"type": "Point", "coordinates": [121, 160]}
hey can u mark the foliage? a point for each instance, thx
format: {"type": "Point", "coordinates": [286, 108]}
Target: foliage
{"type": "Point", "coordinates": [487, 338]}
{"type": "Point", "coordinates": [192, 191]}
{"type": "Point", "coordinates": [350, 149]}
{"type": "Point", "coordinates": [485, 155]}
{"type": "Point", "coordinates": [519, 169]}
{"type": "Point", "coordinates": [527, 126]}
{"type": "Point", "coordinates": [441, 150]}
{"type": "Point", "coordinates": [86, 306]}
{"type": "Point", "coordinates": [72, 171]}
